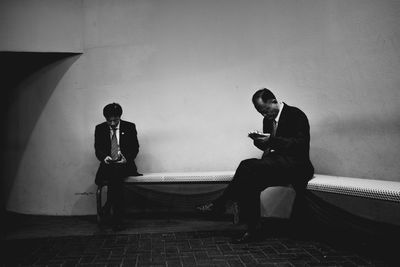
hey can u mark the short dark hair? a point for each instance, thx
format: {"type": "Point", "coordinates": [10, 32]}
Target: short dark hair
{"type": "Point", "coordinates": [265, 95]}
{"type": "Point", "coordinates": [112, 110]}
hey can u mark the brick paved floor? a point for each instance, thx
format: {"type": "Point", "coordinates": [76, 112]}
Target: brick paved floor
{"type": "Point", "coordinates": [182, 248]}
{"type": "Point", "coordinates": [176, 249]}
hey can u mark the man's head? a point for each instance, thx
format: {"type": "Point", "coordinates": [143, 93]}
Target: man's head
{"type": "Point", "coordinates": [112, 112]}
{"type": "Point", "coordinates": [265, 103]}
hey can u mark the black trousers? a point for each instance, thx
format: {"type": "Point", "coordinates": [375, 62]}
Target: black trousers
{"type": "Point", "coordinates": [250, 179]}
{"type": "Point", "coordinates": [113, 175]}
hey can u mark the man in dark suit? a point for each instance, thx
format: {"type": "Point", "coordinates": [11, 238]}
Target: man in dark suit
{"type": "Point", "coordinates": [285, 142]}
{"type": "Point", "coordinates": [116, 146]}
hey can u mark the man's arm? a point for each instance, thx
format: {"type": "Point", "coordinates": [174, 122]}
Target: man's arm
{"type": "Point", "coordinates": [261, 143]}
{"type": "Point", "coordinates": [133, 148]}
{"type": "Point", "coordinates": [99, 145]}
{"type": "Point", "coordinates": [296, 143]}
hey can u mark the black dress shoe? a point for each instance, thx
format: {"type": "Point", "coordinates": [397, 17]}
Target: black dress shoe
{"type": "Point", "coordinates": [245, 238]}
{"type": "Point", "coordinates": [210, 208]}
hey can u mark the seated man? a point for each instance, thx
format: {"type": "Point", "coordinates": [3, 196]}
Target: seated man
{"type": "Point", "coordinates": [286, 143]}
{"type": "Point", "coordinates": [116, 146]}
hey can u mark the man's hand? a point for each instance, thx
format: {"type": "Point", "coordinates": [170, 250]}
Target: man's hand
{"type": "Point", "coordinates": [257, 135]}
{"type": "Point", "coordinates": [122, 159]}
{"type": "Point", "coordinates": [107, 160]}
{"type": "Point", "coordinates": [261, 139]}
{"type": "Point", "coordinates": [261, 142]}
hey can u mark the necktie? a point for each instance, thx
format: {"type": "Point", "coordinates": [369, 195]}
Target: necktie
{"type": "Point", "coordinates": [273, 133]}
{"type": "Point", "coordinates": [114, 145]}
{"type": "Point", "coordinates": [274, 127]}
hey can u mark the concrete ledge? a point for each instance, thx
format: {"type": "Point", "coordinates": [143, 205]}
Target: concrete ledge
{"type": "Point", "coordinates": [367, 188]}
{"type": "Point", "coordinates": [183, 177]}
{"type": "Point", "coordinates": [278, 201]}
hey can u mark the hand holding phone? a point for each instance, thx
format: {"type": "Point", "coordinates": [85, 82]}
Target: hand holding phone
{"type": "Point", "coordinates": [258, 134]}
{"type": "Point", "coordinates": [121, 159]}
{"type": "Point", "coordinates": [109, 159]}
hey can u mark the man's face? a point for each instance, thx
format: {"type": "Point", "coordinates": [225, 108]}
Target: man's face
{"type": "Point", "coordinates": [269, 109]}
{"type": "Point", "coordinates": [113, 121]}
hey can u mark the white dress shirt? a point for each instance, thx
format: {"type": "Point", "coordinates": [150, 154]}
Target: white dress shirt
{"type": "Point", "coordinates": [281, 104]}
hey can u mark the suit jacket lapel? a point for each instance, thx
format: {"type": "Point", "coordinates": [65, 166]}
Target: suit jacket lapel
{"type": "Point", "coordinates": [121, 133]}
{"type": "Point", "coordinates": [107, 138]}
{"type": "Point", "coordinates": [282, 121]}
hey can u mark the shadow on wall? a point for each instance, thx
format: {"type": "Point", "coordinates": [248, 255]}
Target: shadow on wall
{"type": "Point", "coordinates": [26, 76]}
{"type": "Point", "coordinates": [147, 158]}
{"type": "Point", "coordinates": [325, 161]}
{"type": "Point", "coordinates": [361, 147]}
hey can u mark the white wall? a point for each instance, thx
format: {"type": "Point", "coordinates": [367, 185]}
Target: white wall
{"type": "Point", "coordinates": [185, 71]}
{"type": "Point", "coordinates": [41, 25]}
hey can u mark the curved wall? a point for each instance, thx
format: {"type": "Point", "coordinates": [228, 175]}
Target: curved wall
{"type": "Point", "coordinates": [185, 71]}
{"type": "Point", "coordinates": [41, 25]}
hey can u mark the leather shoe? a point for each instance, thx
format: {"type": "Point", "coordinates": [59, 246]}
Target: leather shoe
{"type": "Point", "coordinates": [245, 238]}
{"type": "Point", "coordinates": [210, 208]}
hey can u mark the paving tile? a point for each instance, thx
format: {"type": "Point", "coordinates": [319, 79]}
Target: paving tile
{"type": "Point", "coordinates": [193, 248]}
{"type": "Point", "coordinates": [235, 263]}
{"type": "Point", "coordinates": [174, 263]}
{"type": "Point", "coordinates": [187, 260]}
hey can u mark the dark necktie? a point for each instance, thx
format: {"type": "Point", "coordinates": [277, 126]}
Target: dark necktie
{"type": "Point", "coordinates": [114, 145]}
{"type": "Point", "coordinates": [273, 133]}
{"type": "Point", "coordinates": [274, 127]}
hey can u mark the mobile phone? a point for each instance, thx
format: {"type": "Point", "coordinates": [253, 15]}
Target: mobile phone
{"type": "Point", "coordinates": [259, 134]}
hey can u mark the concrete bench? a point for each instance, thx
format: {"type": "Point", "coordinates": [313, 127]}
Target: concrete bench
{"type": "Point", "coordinates": [347, 193]}
{"type": "Point", "coordinates": [366, 188]}
{"type": "Point", "coordinates": [376, 200]}
{"type": "Point", "coordinates": [275, 201]}
{"type": "Point", "coordinates": [221, 177]}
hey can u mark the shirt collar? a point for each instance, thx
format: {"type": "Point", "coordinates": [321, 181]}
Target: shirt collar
{"type": "Point", "coordinates": [116, 128]}
{"type": "Point", "coordinates": [281, 104]}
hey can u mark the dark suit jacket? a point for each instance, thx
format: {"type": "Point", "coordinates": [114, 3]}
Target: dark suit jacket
{"type": "Point", "coordinates": [291, 144]}
{"type": "Point", "coordinates": [129, 146]}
